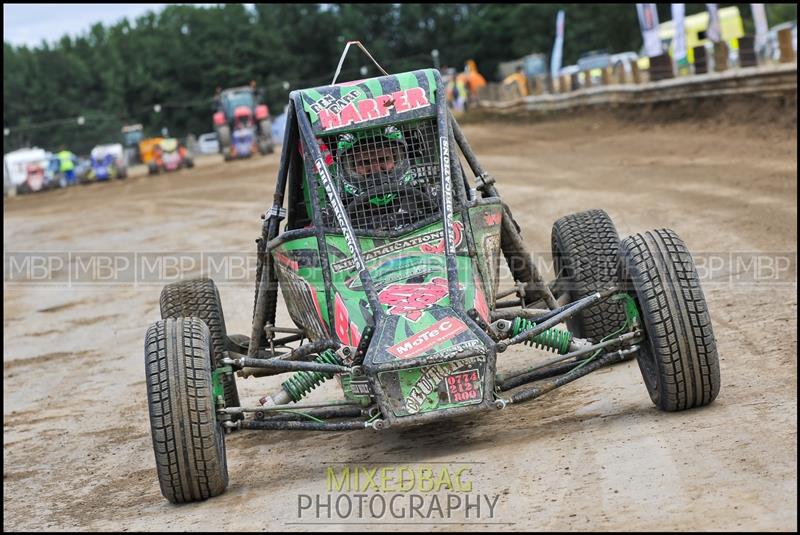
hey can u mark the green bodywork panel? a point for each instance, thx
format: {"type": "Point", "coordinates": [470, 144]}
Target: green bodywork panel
{"type": "Point", "coordinates": [416, 258]}
{"type": "Point", "coordinates": [410, 277]}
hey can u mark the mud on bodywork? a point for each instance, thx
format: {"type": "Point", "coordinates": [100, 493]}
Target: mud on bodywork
{"type": "Point", "coordinates": [408, 287]}
{"type": "Point", "coordinates": [410, 278]}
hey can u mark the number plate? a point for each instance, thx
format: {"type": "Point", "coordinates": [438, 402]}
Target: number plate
{"type": "Point", "coordinates": [464, 386]}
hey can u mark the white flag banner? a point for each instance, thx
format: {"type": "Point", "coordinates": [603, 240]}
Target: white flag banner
{"type": "Point", "coordinates": [713, 32]}
{"type": "Point", "coordinates": [679, 41]}
{"type": "Point", "coordinates": [648, 21]}
{"type": "Point", "coordinates": [760, 20]}
{"type": "Point", "coordinates": [558, 46]}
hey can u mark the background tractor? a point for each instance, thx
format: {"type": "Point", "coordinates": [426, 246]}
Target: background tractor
{"type": "Point", "coordinates": [239, 106]}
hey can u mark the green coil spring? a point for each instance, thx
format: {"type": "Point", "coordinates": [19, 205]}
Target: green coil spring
{"type": "Point", "coordinates": [555, 340]}
{"type": "Point", "coordinates": [301, 383]}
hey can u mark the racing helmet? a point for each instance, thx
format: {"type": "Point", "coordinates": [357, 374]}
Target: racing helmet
{"type": "Point", "coordinates": [373, 160]}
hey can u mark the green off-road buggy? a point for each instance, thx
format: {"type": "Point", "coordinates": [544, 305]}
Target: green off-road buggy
{"type": "Point", "coordinates": [388, 259]}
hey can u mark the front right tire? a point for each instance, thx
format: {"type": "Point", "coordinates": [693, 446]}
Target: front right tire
{"type": "Point", "coordinates": [679, 360]}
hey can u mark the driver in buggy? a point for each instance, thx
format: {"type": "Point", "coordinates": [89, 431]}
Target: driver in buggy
{"type": "Point", "coordinates": [376, 182]}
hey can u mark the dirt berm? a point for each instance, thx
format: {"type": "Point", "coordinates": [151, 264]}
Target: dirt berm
{"type": "Point", "coordinates": [595, 454]}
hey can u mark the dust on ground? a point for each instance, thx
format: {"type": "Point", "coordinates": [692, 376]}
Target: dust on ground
{"type": "Point", "coordinates": [595, 454]}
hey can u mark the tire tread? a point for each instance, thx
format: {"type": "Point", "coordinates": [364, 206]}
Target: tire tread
{"type": "Point", "coordinates": [186, 439]}
{"type": "Point", "coordinates": [676, 316]}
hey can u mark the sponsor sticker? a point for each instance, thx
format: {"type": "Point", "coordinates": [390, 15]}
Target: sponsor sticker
{"type": "Point", "coordinates": [384, 250]}
{"type": "Point", "coordinates": [492, 219]}
{"type": "Point", "coordinates": [372, 108]}
{"type": "Point", "coordinates": [426, 339]}
{"type": "Point", "coordinates": [458, 228]}
{"type": "Point", "coordinates": [360, 388]}
{"type": "Point", "coordinates": [338, 210]}
{"type": "Point", "coordinates": [331, 103]}
{"type": "Point", "coordinates": [410, 300]}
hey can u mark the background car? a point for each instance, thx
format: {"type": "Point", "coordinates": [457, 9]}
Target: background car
{"type": "Point", "coordinates": [208, 143]}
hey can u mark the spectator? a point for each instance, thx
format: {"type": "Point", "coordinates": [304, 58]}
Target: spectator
{"type": "Point", "coordinates": [67, 165]}
{"type": "Point", "coordinates": [519, 78]}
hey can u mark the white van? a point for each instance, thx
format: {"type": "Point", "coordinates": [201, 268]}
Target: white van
{"type": "Point", "coordinates": [208, 143]}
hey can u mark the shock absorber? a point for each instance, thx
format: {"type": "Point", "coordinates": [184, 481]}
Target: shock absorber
{"type": "Point", "coordinates": [301, 383]}
{"type": "Point", "coordinates": [555, 340]}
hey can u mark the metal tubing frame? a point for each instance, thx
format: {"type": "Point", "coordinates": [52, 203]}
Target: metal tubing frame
{"type": "Point", "coordinates": [608, 358]}
{"type": "Point", "coordinates": [556, 318]}
{"type": "Point", "coordinates": [450, 135]}
{"type": "Point", "coordinates": [270, 230]}
{"type": "Point", "coordinates": [287, 406]}
{"type": "Point", "coordinates": [453, 192]}
{"type": "Point", "coordinates": [289, 365]}
{"type": "Point", "coordinates": [291, 425]}
{"type": "Point", "coordinates": [344, 409]}
{"type": "Point", "coordinates": [521, 377]}
{"type": "Point", "coordinates": [287, 415]}
{"type": "Point", "coordinates": [510, 227]}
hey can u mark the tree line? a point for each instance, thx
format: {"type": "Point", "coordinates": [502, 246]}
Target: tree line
{"type": "Point", "coordinates": [115, 75]}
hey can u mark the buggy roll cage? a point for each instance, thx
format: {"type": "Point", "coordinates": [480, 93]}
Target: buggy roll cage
{"type": "Point", "coordinates": [267, 354]}
{"type": "Point", "coordinates": [453, 180]}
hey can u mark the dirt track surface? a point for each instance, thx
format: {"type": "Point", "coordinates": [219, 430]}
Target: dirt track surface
{"type": "Point", "coordinates": [595, 454]}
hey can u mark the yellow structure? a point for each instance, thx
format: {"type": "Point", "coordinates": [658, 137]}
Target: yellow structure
{"type": "Point", "coordinates": [519, 79]}
{"type": "Point", "coordinates": [731, 29]}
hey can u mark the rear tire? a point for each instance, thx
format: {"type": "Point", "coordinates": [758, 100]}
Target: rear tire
{"type": "Point", "coordinates": [266, 145]}
{"type": "Point", "coordinates": [200, 298]}
{"type": "Point", "coordinates": [679, 360]}
{"type": "Point", "coordinates": [188, 441]}
{"type": "Point", "coordinates": [585, 249]}
{"type": "Point", "coordinates": [224, 136]}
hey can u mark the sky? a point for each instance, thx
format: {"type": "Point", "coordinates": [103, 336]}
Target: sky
{"type": "Point", "coordinates": [29, 24]}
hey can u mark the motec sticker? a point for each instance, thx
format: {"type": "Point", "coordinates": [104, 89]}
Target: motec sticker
{"type": "Point", "coordinates": [426, 339]}
{"type": "Point", "coordinates": [410, 300]}
{"type": "Point", "coordinates": [370, 109]}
